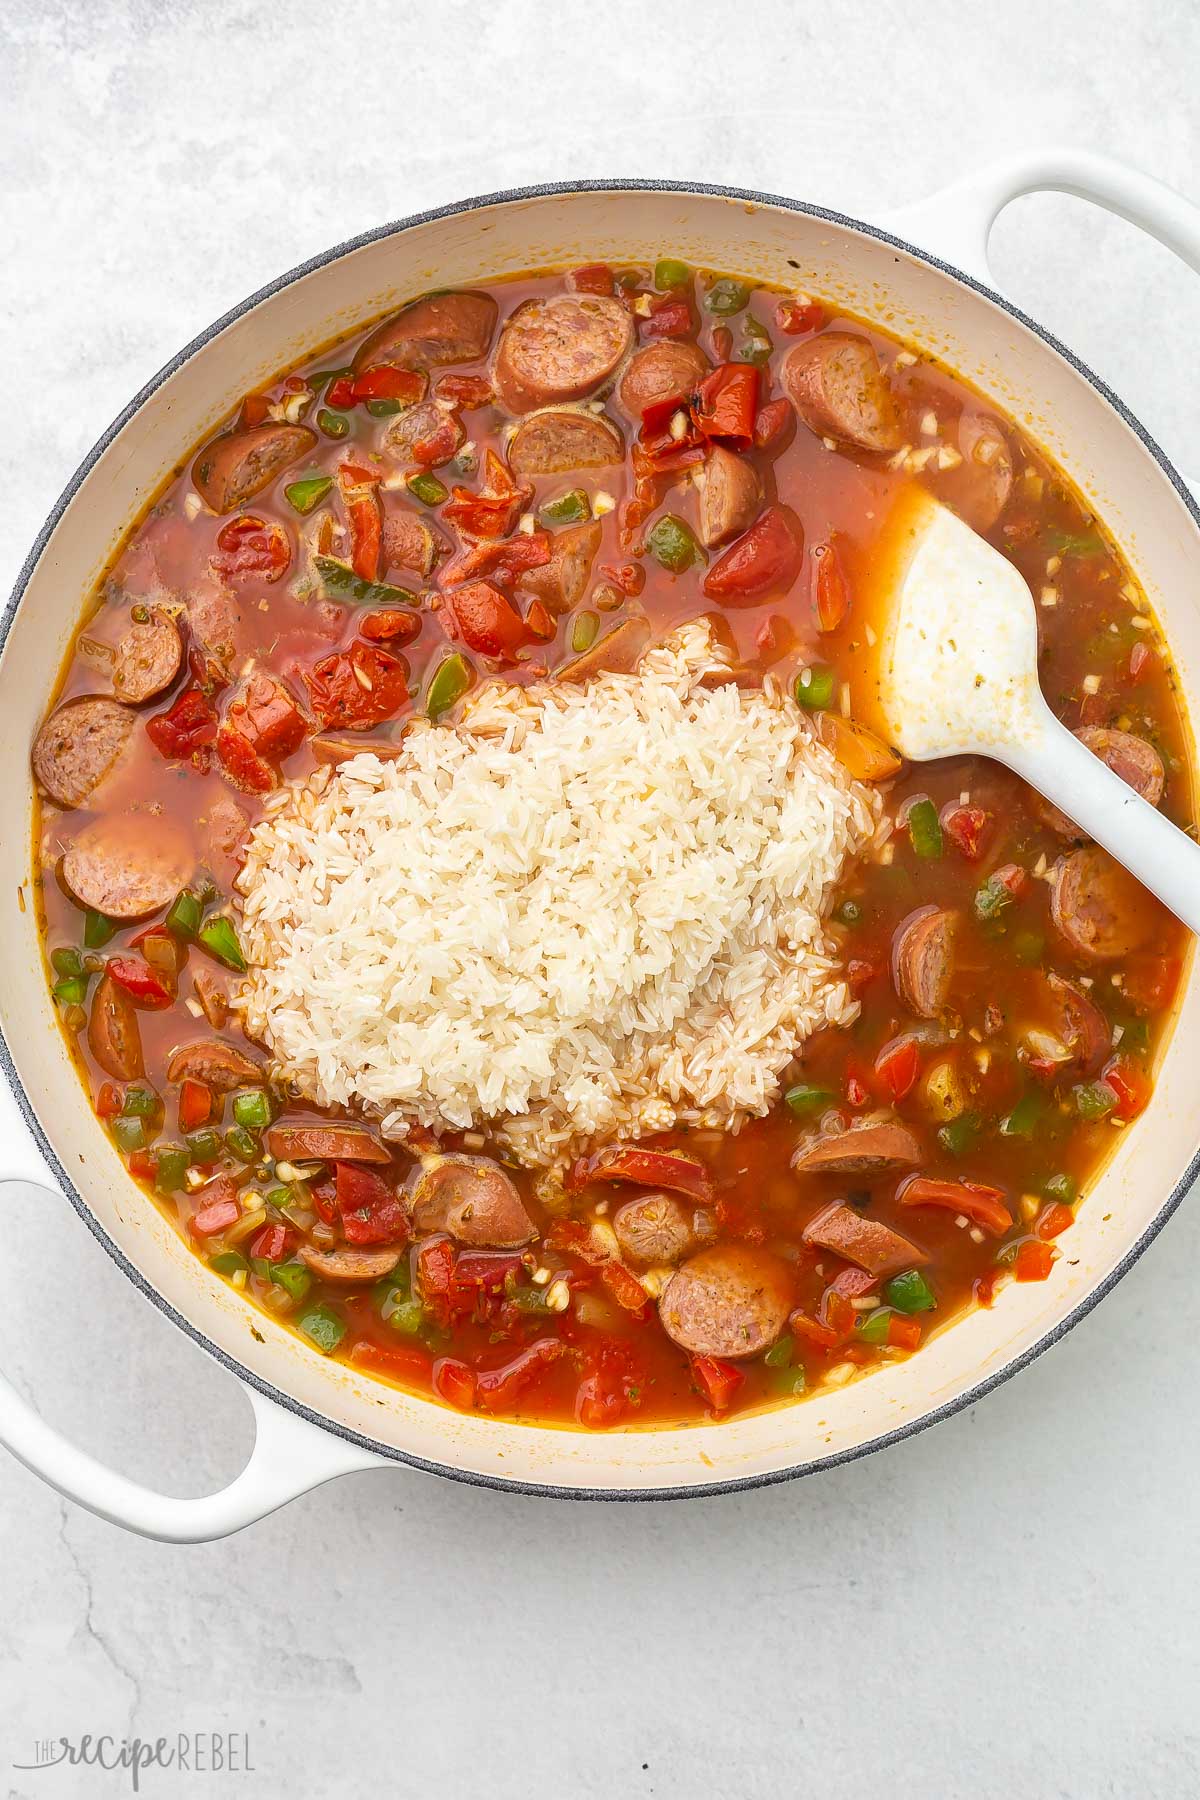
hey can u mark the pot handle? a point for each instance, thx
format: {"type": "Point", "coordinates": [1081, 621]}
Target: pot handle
{"type": "Point", "coordinates": [956, 222]}
{"type": "Point", "coordinates": [290, 1456]}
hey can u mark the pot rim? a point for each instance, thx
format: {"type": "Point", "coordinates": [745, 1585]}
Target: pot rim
{"type": "Point", "coordinates": [734, 1483]}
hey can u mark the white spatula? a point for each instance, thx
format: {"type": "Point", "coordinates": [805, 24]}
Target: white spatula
{"type": "Point", "coordinates": [957, 675]}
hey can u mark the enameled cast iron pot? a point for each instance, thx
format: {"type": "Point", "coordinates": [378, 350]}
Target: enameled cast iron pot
{"type": "Point", "coordinates": [317, 1419]}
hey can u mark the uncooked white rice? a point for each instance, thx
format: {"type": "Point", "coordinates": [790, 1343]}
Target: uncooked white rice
{"type": "Point", "coordinates": [585, 912]}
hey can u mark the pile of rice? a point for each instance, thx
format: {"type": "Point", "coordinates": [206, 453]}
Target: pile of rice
{"type": "Point", "coordinates": [583, 913]}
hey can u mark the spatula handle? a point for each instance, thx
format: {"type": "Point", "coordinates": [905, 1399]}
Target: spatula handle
{"type": "Point", "coordinates": [1163, 858]}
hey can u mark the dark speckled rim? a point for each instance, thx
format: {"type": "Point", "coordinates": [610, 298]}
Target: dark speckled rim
{"type": "Point", "coordinates": [549, 1489]}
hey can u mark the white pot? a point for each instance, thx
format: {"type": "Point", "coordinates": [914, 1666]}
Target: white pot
{"type": "Point", "coordinates": [317, 1418]}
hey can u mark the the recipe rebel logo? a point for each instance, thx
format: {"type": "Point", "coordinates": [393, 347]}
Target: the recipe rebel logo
{"type": "Point", "coordinates": [187, 1752]}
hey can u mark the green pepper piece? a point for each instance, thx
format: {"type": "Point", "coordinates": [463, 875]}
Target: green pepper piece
{"type": "Point", "coordinates": [1094, 1100]}
{"type": "Point", "coordinates": [253, 1109]}
{"type": "Point", "coordinates": [204, 1147]}
{"type": "Point", "coordinates": [803, 1100]}
{"type": "Point", "coordinates": [814, 689]}
{"type": "Point", "coordinates": [322, 1327]}
{"type": "Point", "coordinates": [292, 1277]}
{"type": "Point", "coordinates": [185, 915]}
{"type": "Point", "coordinates": [1063, 1188]}
{"type": "Point", "coordinates": [71, 990]}
{"type": "Point", "coordinates": [339, 578]}
{"type": "Point", "coordinates": [220, 939]}
{"type": "Point", "coordinates": [130, 1134]}
{"type": "Point", "coordinates": [924, 828]}
{"type": "Point", "coordinates": [571, 508]}
{"type": "Point", "coordinates": [848, 913]}
{"type": "Point", "coordinates": [303, 496]}
{"type": "Point", "coordinates": [322, 378]}
{"type": "Point", "coordinates": [1027, 947]}
{"type": "Point", "coordinates": [1076, 543]}
{"type": "Point", "coordinates": [671, 542]}
{"type": "Point", "coordinates": [788, 1381]}
{"type": "Point", "coordinates": [242, 1143]}
{"type": "Point", "coordinates": [584, 627]}
{"type": "Point", "coordinates": [756, 347]}
{"type": "Point", "coordinates": [726, 297]}
{"type": "Point", "coordinates": [991, 900]}
{"type": "Point", "coordinates": [449, 682]}
{"type": "Point", "coordinates": [140, 1103]}
{"type": "Point", "coordinates": [66, 961]}
{"type": "Point", "coordinates": [426, 488]}
{"type": "Point", "coordinates": [909, 1292]}
{"type": "Point", "coordinates": [780, 1354]}
{"type": "Point", "coordinates": [170, 1166]}
{"type": "Point", "coordinates": [334, 425]}
{"type": "Point", "coordinates": [407, 1316]}
{"type": "Point", "coordinates": [669, 273]}
{"type": "Point", "coordinates": [873, 1327]}
{"type": "Point", "coordinates": [228, 1262]}
{"type": "Point", "coordinates": [97, 930]}
{"type": "Point", "coordinates": [1025, 1116]}
{"type": "Point", "coordinates": [960, 1135]}
{"type": "Point", "coordinates": [382, 409]}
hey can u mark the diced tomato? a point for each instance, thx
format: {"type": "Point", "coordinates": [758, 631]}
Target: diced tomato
{"type": "Point", "coordinates": [1033, 1261]}
{"type": "Point", "coordinates": [903, 1333]}
{"type": "Point", "coordinates": [592, 278]}
{"type": "Point", "coordinates": [358, 688]}
{"type": "Point", "coordinates": [725, 404]}
{"type": "Point", "coordinates": [1013, 877]}
{"type": "Point", "coordinates": [669, 318]}
{"type": "Point", "coordinates": [108, 1101]}
{"type": "Point", "coordinates": [817, 1332]}
{"type": "Point", "coordinates": [493, 511]}
{"type": "Point", "coordinates": [539, 623]}
{"type": "Point", "coordinates": [772, 423]}
{"type": "Point", "coordinates": [898, 1065]}
{"type": "Point", "coordinates": [1150, 982]}
{"type": "Point", "coordinates": [500, 560]}
{"type": "Point", "coordinates": [857, 1090]}
{"type": "Point", "coordinates": [1053, 1220]}
{"type": "Point", "coordinates": [195, 1104]}
{"type": "Point", "coordinates": [630, 577]}
{"type": "Point", "coordinates": [189, 725]}
{"type": "Point", "coordinates": [861, 974]}
{"type": "Point", "coordinates": [966, 827]}
{"type": "Point", "coordinates": [722, 343]}
{"type": "Point", "coordinates": [470, 391]}
{"type": "Point", "coordinates": [384, 381]}
{"type": "Point", "coordinates": [983, 1206]}
{"type": "Point", "coordinates": [831, 591]}
{"type": "Point", "coordinates": [576, 1239]}
{"type": "Point", "coordinates": [242, 763]}
{"type": "Point", "coordinates": [625, 1288]}
{"type": "Point", "coordinates": [612, 1378]}
{"type": "Point", "coordinates": [340, 393]}
{"type": "Point", "coordinates": [141, 1165]}
{"type": "Point", "coordinates": [145, 985]}
{"type": "Point", "coordinates": [359, 489]}
{"type": "Point", "coordinates": [371, 1213]}
{"type": "Point", "coordinates": [216, 1214]}
{"type": "Point", "coordinates": [1140, 658]}
{"type": "Point", "coordinates": [669, 1169]}
{"type": "Point", "coordinates": [837, 1314]}
{"type": "Point", "coordinates": [252, 547]}
{"type": "Point", "coordinates": [396, 1361]}
{"type": "Point", "coordinates": [765, 559]}
{"type": "Point", "coordinates": [796, 316]}
{"type": "Point", "coordinates": [499, 1389]}
{"type": "Point", "coordinates": [436, 436]}
{"type": "Point", "coordinates": [454, 1382]}
{"type": "Point", "coordinates": [1128, 1083]}
{"type": "Point", "coordinates": [984, 1289]}
{"type": "Point", "coordinates": [718, 1381]}
{"type": "Point", "coordinates": [268, 717]}
{"type": "Point", "coordinates": [392, 625]}
{"type": "Point", "coordinates": [274, 1242]}
{"type": "Point", "coordinates": [253, 411]}
{"type": "Point", "coordinates": [774, 639]}
{"type": "Point", "coordinates": [485, 1269]}
{"type": "Point", "coordinates": [486, 620]}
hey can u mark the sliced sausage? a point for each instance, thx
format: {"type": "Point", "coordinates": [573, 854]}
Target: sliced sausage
{"type": "Point", "coordinates": [554, 443]}
{"type": "Point", "coordinates": [329, 749]}
{"type": "Point", "coordinates": [213, 617]}
{"type": "Point", "coordinates": [114, 1038]}
{"type": "Point", "coordinates": [619, 652]}
{"type": "Point", "coordinates": [659, 1228]}
{"type": "Point", "coordinates": [437, 329]}
{"type": "Point", "coordinates": [219, 1065]}
{"type": "Point", "coordinates": [349, 1265]}
{"type": "Point", "coordinates": [561, 347]}
{"type": "Point", "coordinates": [865, 1242]}
{"type": "Point", "coordinates": [427, 434]}
{"type": "Point", "coordinates": [471, 1198]}
{"type": "Point", "coordinates": [838, 388]}
{"type": "Point", "coordinates": [410, 542]}
{"type": "Point", "coordinates": [731, 1301]}
{"type": "Point", "coordinates": [1137, 763]}
{"type": "Point", "coordinates": [923, 959]}
{"type": "Point", "coordinates": [979, 487]}
{"type": "Point", "coordinates": [560, 583]}
{"type": "Point", "coordinates": [233, 468]}
{"type": "Point", "coordinates": [1079, 1023]}
{"type": "Point", "coordinates": [127, 865]}
{"type": "Point", "coordinates": [668, 370]}
{"type": "Point", "coordinates": [78, 745]}
{"type": "Point", "coordinates": [883, 1148]}
{"type": "Point", "coordinates": [225, 829]}
{"type": "Point", "coordinates": [1097, 905]}
{"type": "Point", "coordinates": [149, 657]}
{"type": "Point", "coordinates": [213, 998]}
{"type": "Point", "coordinates": [326, 1143]}
{"type": "Point", "coordinates": [730, 496]}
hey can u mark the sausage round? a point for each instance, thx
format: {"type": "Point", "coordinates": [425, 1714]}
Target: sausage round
{"type": "Point", "coordinates": [730, 496]}
{"type": "Point", "coordinates": [436, 329]}
{"type": "Point", "coordinates": [880, 1148]}
{"type": "Point", "coordinates": [231, 469]}
{"type": "Point", "coordinates": [218, 1065]}
{"type": "Point", "coordinates": [471, 1198]}
{"type": "Point", "coordinates": [149, 657]}
{"type": "Point", "coordinates": [923, 959]}
{"type": "Point", "coordinates": [656, 1228]}
{"type": "Point", "coordinates": [553, 443]}
{"type": "Point", "coordinates": [838, 388]}
{"type": "Point", "coordinates": [730, 1301]}
{"type": "Point", "coordinates": [560, 348]}
{"type": "Point", "coordinates": [1097, 906]}
{"type": "Point", "coordinates": [1137, 763]}
{"type": "Point", "coordinates": [114, 1037]}
{"type": "Point", "coordinates": [866, 1242]}
{"type": "Point", "coordinates": [619, 652]}
{"type": "Point", "coordinates": [559, 584]}
{"type": "Point", "coordinates": [325, 1143]}
{"type": "Point", "coordinates": [668, 370]}
{"type": "Point", "coordinates": [410, 542]}
{"type": "Point", "coordinates": [978, 489]}
{"type": "Point", "coordinates": [127, 865]}
{"type": "Point", "coordinates": [349, 1265]}
{"type": "Point", "coordinates": [78, 745]}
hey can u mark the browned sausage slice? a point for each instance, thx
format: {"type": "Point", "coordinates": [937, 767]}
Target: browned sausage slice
{"type": "Point", "coordinates": [148, 659]}
{"type": "Point", "coordinates": [410, 542]}
{"type": "Point", "coordinates": [882, 1148]}
{"type": "Point", "coordinates": [560, 583]}
{"type": "Point", "coordinates": [1097, 905]}
{"type": "Point", "coordinates": [213, 998]}
{"type": "Point", "coordinates": [731, 1301]}
{"type": "Point", "coordinates": [329, 749]}
{"type": "Point", "coordinates": [979, 487]}
{"type": "Point", "coordinates": [659, 1228]}
{"type": "Point", "coordinates": [78, 745]}
{"type": "Point", "coordinates": [218, 1065]}
{"type": "Point", "coordinates": [349, 1265]}
{"type": "Point", "coordinates": [326, 1143]}
{"type": "Point", "coordinates": [213, 617]}
{"type": "Point", "coordinates": [871, 1246]}
{"type": "Point", "coordinates": [1137, 763]}
{"type": "Point", "coordinates": [428, 434]}
{"type": "Point", "coordinates": [471, 1198]}
{"type": "Point", "coordinates": [436, 329]}
{"type": "Point", "coordinates": [553, 443]}
{"type": "Point", "coordinates": [923, 959]}
{"type": "Point", "coordinates": [668, 370]}
{"type": "Point", "coordinates": [233, 468]}
{"type": "Point", "coordinates": [619, 652]}
{"type": "Point", "coordinates": [730, 496]}
{"type": "Point", "coordinates": [114, 1038]}
{"type": "Point", "coordinates": [1079, 1023]}
{"type": "Point", "coordinates": [560, 348]}
{"type": "Point", "coordinates": [127, 865]}
{"type": "Point", "coordinates": [837, 386]}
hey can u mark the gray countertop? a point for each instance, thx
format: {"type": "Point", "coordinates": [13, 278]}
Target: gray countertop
{"type": "Point", "coordinates": [1005, 1604]}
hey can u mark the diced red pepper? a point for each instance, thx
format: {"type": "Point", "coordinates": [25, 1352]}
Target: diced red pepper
{"type": "Point", "coordinates": [1013, 877]}
{"type": "Point", "coordinates": [984, 1206]}
{"type": "Point", "coordinates": [500, 560]}
{"type": "Point", "coordinates": [764, 560]}
{"type": "Point", "coordinates": [831, 590]}
{"type": "Point", "coordinates": [393, 625]}
{"type": "Point", "coordinates": [630, 577]}
{"type": "Point", "coordinates": [1128, 1083]}
{"type": "Point", "coordinates": [215, 1215]}
{"type": "Point", "coordinates": [717, 1380]}
{"type": "Point", "coordinates": [242, 763]}
{"type": "Point", "coordinates": [669, 318]}
{"type": "Point", "coordinates": [108, 1101]}
{"type": "Point", "coordinates": [774, 639]}
{"type": "Point", "coordinates": [1033, 1261]}
{"type": "Point", "coordinates": [252, 547]}
{"type": "Point", "coordinates": [357, 688]}
{"type": "Point", "coordinates": [898, 1065]}
{"type": "Point", "coordinates": [499, 1389]}
{"type": "Point", "coordinates": [823, 1336]}
{"type": "Point", "coordinates": [966, 827]}
{"type": "Point", "coordinates": [772, 423]}
{"type": "Point", "coordinates": [195, 1104]}
{"type": "Point", "coordinates": [669, 1169]}
{"type": "Point", "coordinates": [141, 1165]}
{"type": "Point", "coordinates": [1053, 1220]}
{"type": "Point", "coordinates": [625, 1288]}
{"type": "Point", "coordinates": [493, 511]}
{"type": "Point", "coordinates": [903, 1333]}
{"type": "Point", "coordinates": [189, 725]}
{"type": "Point", "coordinates": [386, 381]}
{"type": "Point", "coordinates": [253, 411]}
{"type": "Point", "coordinates": [486, 620]}
{"type": "Point", "coordinates": [145, 985]}
{"type": "Point", "coordinates": [796, 316]}
{"type": "Point", "coordinates": [359, 488]}
{"type": "Point", "coordinates": [539, 623]}
{"type": "Point", "coordinates": [395, 1361]}
{"type": "Point", "coordinates": [340, 393]}
{"type": "Point", "coordinates": [1150, 982]}
{"type": "Point", "coordinates": [470, 391]}
{"type": "Point", "coordinates": [454, 1382]}
{"type": "Point", "coordinates": [487, 1270]}
{"type": "Point", "coordinates": [371, 1213]}
{"type": "Point", "coordinates": [274, 1242]}
{"type": "Point", "coordinates": [837, 1314]}
{"type": "Point", "coordinates": [267, 715]}
{"type": "Point", "coordinates": [592, 278]}
{"type": "Point", "coordinates": [725, 404]}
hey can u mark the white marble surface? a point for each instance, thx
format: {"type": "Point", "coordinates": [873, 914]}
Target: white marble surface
{"type": "Point", "coordinates": [1004, 1605]}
